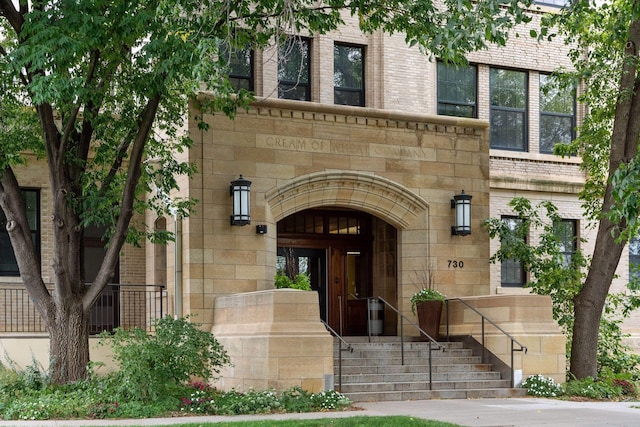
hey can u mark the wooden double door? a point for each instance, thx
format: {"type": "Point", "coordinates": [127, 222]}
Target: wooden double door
{"type": "Point", "coordinates": [341, 274]}
{"type": "Point", "coordinates": [334, 247]}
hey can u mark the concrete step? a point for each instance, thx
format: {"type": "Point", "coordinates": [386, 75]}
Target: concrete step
{"type": "Point", "coordinates": [388, 361]}
{"type": "Point", "coordinates": [377, 396]}
{"type": "Point", "coordinates": [393, 369]}
{"type": "Point", "coordinates": [374, 370]}
{"type": "Point", "coordinates": [394, 342]}
{"type": "Point", "coordinates": [416, 353]}
{"type": "Point", "coordinates": [423, 385]}
{"type": "Point", "coordinates": [419, 377]}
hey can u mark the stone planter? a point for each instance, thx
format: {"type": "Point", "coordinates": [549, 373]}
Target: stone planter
{"type": "Point", "coordinates": [429, 315]}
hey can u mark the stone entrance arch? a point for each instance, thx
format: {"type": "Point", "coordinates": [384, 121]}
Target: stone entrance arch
{"type": "Point", "coordinates": [376, 195]}
{"type": "Point", "coordinates": [379, 196]}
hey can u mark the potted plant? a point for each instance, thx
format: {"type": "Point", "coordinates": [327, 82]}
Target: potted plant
{"type": "Point", "coordinates": [427, 304]}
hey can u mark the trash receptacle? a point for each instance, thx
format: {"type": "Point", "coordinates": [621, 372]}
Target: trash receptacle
{"type": "Point", "coordinates": [376, 316]}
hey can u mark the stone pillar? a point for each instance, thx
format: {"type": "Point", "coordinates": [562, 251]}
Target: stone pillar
{"type": "Point", "coordinates": [275, 341]}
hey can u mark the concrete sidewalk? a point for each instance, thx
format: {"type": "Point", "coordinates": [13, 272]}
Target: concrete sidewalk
{"type": "Point", "coordinates": [480, 412]}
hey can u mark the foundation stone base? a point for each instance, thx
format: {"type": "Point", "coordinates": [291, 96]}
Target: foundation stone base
{"type": "Point", "coordinates": [275, 341]}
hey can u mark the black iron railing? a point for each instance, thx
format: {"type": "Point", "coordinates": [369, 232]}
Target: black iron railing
{"type": "Point", "coordinates": [119, 305]}
{"type": "Point", "coordinates": [341, 343]}
{"type": "Point", "coordinates": [485, 320]}
{"type": "Point", "coordinates": [432, 342]}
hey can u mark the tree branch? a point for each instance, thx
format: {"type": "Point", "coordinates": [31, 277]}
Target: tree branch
{"type": "Point", "coordinates": [15, 17]}
{"type": "Point", "coordinates": [12, 204]}
{"type": "Point", "coordinates": [128, 199]}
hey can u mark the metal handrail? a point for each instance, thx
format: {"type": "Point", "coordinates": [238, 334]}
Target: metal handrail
{"type": "Point", "coordinates": [429, 338]}
{"type": "Point", "coordinates": [342, 341]}
{"type": "Point", "coordinates": [484, 348]}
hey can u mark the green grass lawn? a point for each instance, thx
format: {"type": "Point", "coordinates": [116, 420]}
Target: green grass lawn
{"type": "Point", "coordinates": [333, 422]}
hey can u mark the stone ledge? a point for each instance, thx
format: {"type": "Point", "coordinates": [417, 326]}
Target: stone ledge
{"type": "Point", "coordinates": [362, 115]}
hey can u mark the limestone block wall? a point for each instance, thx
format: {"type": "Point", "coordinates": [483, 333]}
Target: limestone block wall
{"type": "Point", "coordinates": [275, 341]}
{"type": "Point", "coordinates": [404, 168]}
{"type": "Point", "coordinates": [527, 318]}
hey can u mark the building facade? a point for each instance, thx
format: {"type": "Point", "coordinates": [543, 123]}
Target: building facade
{"type": "Point", "coordinates": [354, 148]}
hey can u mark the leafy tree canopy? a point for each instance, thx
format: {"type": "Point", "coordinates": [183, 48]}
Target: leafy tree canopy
{"type": "Point", "coordinates": [101, 89]}
{"type": "Point", "coordinates": [96, 67]}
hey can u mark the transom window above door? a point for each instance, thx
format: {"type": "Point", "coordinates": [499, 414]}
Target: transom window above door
{"type": "Point", "coordinates": [324, 222]}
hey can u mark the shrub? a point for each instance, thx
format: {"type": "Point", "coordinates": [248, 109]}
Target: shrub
{"type": "Point", "coordinates": [102, 410]}
{"type": "Point", "coordinates": [37, 409]}
{"type": "Point", "coordinates": [15, 381]}
{"type": "Point", "coordinates": [197, 399]}
{"type": "Point", "coordinates": [593, 389]}
{"type": "Point", "coordinates": [297, 400]}
{"type": "Point", "coordinates": [204, 400]}
{"type": "Point", "coordinates": [48, 404]}
{"type": "Point", "coordinates": [158, 365]}
{"type": "Point", "coordinates": [330, 399]}
{"type": "Point", "coordinates": [627, 388]}
{"type": "Point", "coordinates": [541, 386]}
{"type": "Point", "coordinates": [251, 402]}
{"type": "Point", "coordinates": [100, 397]}
{"type": "Point", "coordinates": [301, 282]}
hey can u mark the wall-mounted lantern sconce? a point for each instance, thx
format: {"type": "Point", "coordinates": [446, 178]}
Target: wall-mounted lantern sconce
{"type": "Point", "coordinates": [462, 204]}
{"type": "Point", "coordinates": [240, 190]}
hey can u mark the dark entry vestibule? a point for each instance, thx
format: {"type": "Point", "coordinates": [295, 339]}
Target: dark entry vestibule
{"type": "Point", "coordinates": [335, 248]}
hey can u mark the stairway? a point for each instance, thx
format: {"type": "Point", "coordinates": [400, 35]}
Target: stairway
{"type": "Point", "coordinates": [374, 372]}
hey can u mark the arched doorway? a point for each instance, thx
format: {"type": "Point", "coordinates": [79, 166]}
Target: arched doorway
{"type": "Point", "coordinates": [400, 228]}
{"type": "Point", "coordinates": [350, 257]}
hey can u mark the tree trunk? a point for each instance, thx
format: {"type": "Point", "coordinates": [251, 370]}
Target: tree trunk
{"type": "Point", "coordinates": [69, 342]}
{"type": "Point", "coordinates": [588, 307]}
{"type": "Point", "coordinates": [589, 303]}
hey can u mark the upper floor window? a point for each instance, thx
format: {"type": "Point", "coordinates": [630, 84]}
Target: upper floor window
{"type": "Point", "coordinates": [566, 232]}
{"type": "Point", "coordinates": [557, 114]}
{"type": "Point", "coordinates": [240, 67]}
{"type": "Point", "coordinates": [508, 99]}
{"type": "Point", "coordinates": [348, 75]}
{"type": "Point", "coordinates": [457, 90]}
{"type": "Point", "coordinates": [511, 271]}
{"type": "Point", "coordinates": [634, 259]}
{"type": "Point", "coordinates": [8, 263]}
{"type": "Point", "coordinates": [294, 76]}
